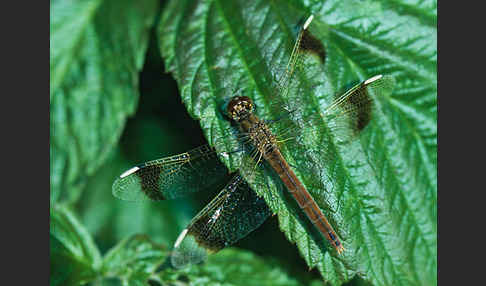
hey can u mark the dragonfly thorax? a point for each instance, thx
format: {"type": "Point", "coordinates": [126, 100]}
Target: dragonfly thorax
{"type": "Point", "coordinates": [239, 108]}
{"type": "Point", "coordinates": [260, 135]}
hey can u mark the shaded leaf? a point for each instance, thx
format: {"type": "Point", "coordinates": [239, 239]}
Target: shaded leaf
{"type": "Point", "coordinates": [133, 260]}
{"type": "Point", "coordinates": [97, 48]}
{"type": "Point", "coordinates": [380, 193]}
{"type": "Point", "coordinates": [74, 257]}
{"type": "Point", "coordinates": [229, 267]}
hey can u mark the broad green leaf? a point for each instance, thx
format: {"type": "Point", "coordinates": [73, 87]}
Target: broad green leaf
{"type": "Point", "coordinates": [230, 267]}
{"type": "Point", "coordinates": [97, 48]}
{"type": "Point", "coordinates": [74, 257]}
{"type": "Point", "coordinates": [380, 193]}
{"type": "Point", "coordinates": [133, 260]}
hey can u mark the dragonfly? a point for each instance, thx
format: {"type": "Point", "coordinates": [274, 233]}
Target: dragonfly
{"type": "Point", "coordinates": [237, 210]}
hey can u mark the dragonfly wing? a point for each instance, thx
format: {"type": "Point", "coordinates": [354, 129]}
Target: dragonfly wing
{"type": "Point", "coordinates": [351, 112]}
{"type": "Point", "coordinates": [344, 118]}
{"type": "Point", "coordinates": [171, 177]}
{"type": "Point", "coordinates": [230, 216]}
{"type": "Point", "coordinates": [301, 45]}
{"type": "Point", "coordinates": [293, 83]}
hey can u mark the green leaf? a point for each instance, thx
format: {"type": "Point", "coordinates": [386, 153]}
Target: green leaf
{"type": "Point", "coordinates": [229, 267]}
{"type": "Point", "coordinates": [74, 257]}
{"type": "Point", "coordinates": [382, 193]}
{"type": "Point", "coordinates": [97, 49]}
{"type": "Point", "coordinates": [133, 260]}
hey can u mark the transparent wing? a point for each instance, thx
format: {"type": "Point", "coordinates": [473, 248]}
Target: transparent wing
{"type": "Point", "coordinates": [357, 104]}
{"type": "Point", "coordinates": [295, 60]}
{"type": "Point", "coordinates": [230, 216]}
{"type": "Point", "coordinates": [285, 80]}
{"type": "Point", "coordinates": [171, 177]}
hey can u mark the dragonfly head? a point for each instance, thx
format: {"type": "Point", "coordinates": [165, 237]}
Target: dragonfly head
{"type": "Point", "coordinates": [239, 107]}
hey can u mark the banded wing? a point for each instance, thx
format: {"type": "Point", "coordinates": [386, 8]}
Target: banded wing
{"type": "Point", "coordinates": [171, 177]}
{"type": "Point", "coordinates": [351, 112]}
{"type": "Point", "coordinates": [230, 216]}
{"type": "Point", "coordinates": [344, 118]}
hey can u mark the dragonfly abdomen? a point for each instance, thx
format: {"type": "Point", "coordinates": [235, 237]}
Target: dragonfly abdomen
{"type": "Point", "coordinates": [303, 198]}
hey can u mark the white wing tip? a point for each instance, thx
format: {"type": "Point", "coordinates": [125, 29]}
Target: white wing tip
{"type": "Point", "coordinates": [180, 238]}
{"type": "Point", "coordinates": [308, 21]}
{"type": "Point", "coordinates": [372, 79]}
{"type": "Point", "coordinates": [129, 172]}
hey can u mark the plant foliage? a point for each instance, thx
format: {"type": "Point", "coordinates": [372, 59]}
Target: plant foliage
{"type": "Point", "coordinates": [380, 193]}
{"type": "Point", "coordinates": [97, 49]}
{"type": "Point", "coordinates": [383, 197]}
